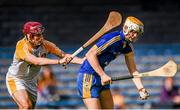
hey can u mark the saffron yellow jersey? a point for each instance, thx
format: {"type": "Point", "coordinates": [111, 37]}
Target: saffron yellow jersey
{"type": "Point", "coordinates": [23, 69]}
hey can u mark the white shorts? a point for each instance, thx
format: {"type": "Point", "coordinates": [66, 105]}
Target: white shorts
{"type": "Point", "coordinates": [14, 84]}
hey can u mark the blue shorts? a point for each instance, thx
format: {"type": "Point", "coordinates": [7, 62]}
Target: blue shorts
{"type": "Point", "coordinates": [89, 85]}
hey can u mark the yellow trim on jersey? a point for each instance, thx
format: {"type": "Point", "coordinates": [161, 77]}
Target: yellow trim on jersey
{"type": "Point", "coordinates": [124, 44]}
{"type": "Point", "coordinates": [22, 49]}
{"type": "Point", "coordinates": [87, 83]}
{"type": "Point", "coordinates": [101, 48]}
{"type": "Point", "coordinates": [12, 85]}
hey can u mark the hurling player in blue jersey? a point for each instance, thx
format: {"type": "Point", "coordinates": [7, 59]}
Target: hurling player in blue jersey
{"type": "Point", "coordinates": [93, 83]}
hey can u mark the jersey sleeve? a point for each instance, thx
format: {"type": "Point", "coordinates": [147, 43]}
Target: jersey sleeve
{"type": "Point", "coordinates": [53, 49]}
{"type": "Point", "coordinates": [22, 50]}
{"type": "Point", "coordinates": [129, 48]}
{"type": "Point", "coordinates": [106, 42]}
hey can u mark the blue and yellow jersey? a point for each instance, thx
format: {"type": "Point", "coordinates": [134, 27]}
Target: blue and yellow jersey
{"type": "Point", "coordinates": [109, 47]}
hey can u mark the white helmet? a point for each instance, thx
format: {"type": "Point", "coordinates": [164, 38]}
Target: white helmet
{"type": "Point", "coordinates": [133, 23]}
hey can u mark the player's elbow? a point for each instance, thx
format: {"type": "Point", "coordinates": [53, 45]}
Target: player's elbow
{"type": "Point", "coordinates": [34, 60]}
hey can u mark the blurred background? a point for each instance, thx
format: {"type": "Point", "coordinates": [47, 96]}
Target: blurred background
{"type": "Point", "coordinates": [69, 24]}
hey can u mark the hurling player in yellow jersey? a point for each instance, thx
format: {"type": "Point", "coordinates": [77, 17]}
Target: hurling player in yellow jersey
{"type": "Point", "coordinates": [29, 56]}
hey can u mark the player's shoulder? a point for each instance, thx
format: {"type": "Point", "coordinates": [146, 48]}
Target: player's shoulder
{"type": "Point", "coordinates": [21, 42]}
{"type": "Point", "coordinates": [46, 42]}
{"type": "Point", "coordinates": [111, 35]}
{"type": "Point", "coordinates": [130, 45]}
{"type": "Point", "coordinates": [114, 33]}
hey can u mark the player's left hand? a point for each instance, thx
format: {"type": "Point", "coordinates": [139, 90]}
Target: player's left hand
{"type": "Point", "coordinates": [105, 79]}
{"type": "Point", "coordinates": [143, 94]}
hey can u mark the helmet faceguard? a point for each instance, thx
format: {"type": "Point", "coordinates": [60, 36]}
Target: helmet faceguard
{"type": "Point", "coordinates": [33, 28]}
{"type": "Point", "coordinates": [133, 24]}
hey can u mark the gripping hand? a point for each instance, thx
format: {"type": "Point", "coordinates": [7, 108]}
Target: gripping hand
{"type": "Point", "coordinates": [143, 94]}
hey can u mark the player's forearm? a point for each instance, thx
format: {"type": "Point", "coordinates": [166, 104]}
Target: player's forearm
{"type": "Point", "coordinates": [41, 61]}
{"type": "Point", "coordinates": [93, 60]}
{"type": "Point", "coordinates": [46, 61]}
{"type": "Point", "coordinates": [77, 60]}
{"type": "Point", "coordinates": [137, 81]}
{"type": "Point", "coordinates": [129, 58]}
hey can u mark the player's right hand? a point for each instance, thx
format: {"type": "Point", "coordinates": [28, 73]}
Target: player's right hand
{"type": "Point", "coordinates": [67, 61]}
{"type": "Point", "coordinates": [105, 79]}
{"type": "Point", "coordinates": [68, 58]}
